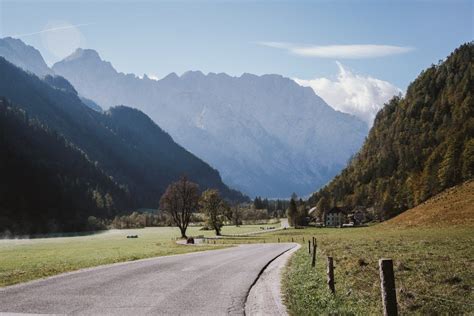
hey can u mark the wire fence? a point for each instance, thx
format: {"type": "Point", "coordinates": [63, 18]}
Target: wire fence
{"type": "Point", "coordinates": [364, 284]}
{"type": "Point", "coordinates": [367, 287]}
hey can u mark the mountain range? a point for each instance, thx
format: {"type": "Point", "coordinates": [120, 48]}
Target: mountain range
{"type": "Point", "coordinates": [105, 162]}
{"type": "Point", "coordinates": [265, 134]}
{"type": "Point", "coordinates": [24, 56]}
{"type": "Point", "coordinates": [79, 155]}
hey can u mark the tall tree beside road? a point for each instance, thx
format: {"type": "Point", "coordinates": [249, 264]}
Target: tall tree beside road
{"type": "Point", "coordinates": [180, 200]}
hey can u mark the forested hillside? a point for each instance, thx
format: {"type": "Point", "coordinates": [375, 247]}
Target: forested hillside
{"type": "Point", "coordinates": [419, 145]}
{"type": "Point", "coordinates": [123, 145]}
{"type": "Point", "coordinates": [47, 184]}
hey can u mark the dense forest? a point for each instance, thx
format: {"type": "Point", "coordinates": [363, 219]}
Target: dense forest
{"type": "Point", "coordinates": [419, 144]}
{"type": "Point", "coordinates": [122, 145]}
{"type": "Point", "coordinates": [48, 184]}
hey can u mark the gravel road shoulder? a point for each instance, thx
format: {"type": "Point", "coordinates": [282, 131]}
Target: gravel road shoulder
{"type": "Point", "coordinates": [265, 297]}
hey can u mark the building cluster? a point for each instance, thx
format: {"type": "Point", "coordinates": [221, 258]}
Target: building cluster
{"type": "Point", "coordinates": [340, 216]}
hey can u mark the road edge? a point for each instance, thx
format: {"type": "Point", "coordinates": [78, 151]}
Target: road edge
{"type": "Point", "coordinates": [250, 303]}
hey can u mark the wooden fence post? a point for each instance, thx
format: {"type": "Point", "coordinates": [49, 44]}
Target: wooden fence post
{"type": "Point", "coordinates": [309, 246]}
{"type": "Point", "coordinates": [278, 239]}
{"type": "Point", "coordinates": [303, 238]}
{"type": "Point", "coordinates": [330, 273]}
{"type": "Point", "coordinates": [313, 262]}
{"type": "Point", "coordinates": [292, 239]}
{"type": "Point", "coordinates": [387, 287]}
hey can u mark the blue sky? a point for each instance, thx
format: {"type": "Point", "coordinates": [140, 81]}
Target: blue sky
{"type": "Point", "coordinates": [157, 37]}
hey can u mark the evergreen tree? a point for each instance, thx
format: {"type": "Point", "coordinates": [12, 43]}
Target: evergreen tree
{"type": "Point", "coordinates": [447, 168]}
{"type": "Point", "coordinates": [292, 213]}
{"type": "Point", "coordinates": [468, 160]}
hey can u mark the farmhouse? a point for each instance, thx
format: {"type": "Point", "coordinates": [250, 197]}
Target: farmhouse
{"type": "Point", "coordinates": [334, 217]}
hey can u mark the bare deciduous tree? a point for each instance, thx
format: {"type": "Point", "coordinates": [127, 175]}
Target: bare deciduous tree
{"type": "Point", "coordinates": [180, 201]}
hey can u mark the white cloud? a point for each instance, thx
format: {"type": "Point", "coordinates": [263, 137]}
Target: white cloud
{"type": "Point", "coordinates": [340, 51]}
{"type": "Point", "coordinates": [362, 96]}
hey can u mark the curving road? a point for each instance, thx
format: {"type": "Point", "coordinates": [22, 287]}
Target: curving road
{"type": "Point", "coordinates": [206, 283]}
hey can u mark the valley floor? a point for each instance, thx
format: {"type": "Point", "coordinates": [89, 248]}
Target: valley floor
{"type": "Point", "coordinates": [433, 271]}
{"type": "Point", "coordinates": [204, 283]}
{"type": "Point", "coordinates": [28, 259]}
{"type": "Point", "coordinates": [431, 246]}
{"type": "Point", "coordinates": [433, 262]}
{"type": "Point", "coordinates": [433, 266]}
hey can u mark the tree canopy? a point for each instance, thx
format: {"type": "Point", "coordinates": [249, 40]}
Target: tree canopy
{"type": "Point", "coordinates": [180, 201]}
{"type": "Point", "coordinates": [214, 208]}
{"type": "Point", "coordinates": [419, 144]}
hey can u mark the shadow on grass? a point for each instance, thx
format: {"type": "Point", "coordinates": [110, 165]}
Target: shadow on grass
{"type": "Point", "coordinates": [8, 235]}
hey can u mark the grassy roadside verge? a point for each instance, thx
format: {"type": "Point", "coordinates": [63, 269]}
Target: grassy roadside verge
{"type": "Point", "coordinates": [28, 259]}
{"type": "Point", "coordinates": [433, 270]}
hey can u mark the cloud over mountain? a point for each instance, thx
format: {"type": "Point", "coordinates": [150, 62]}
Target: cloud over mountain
{"type": "Point", "coordinates": [362, 96]}
{"type": "Point", "coordinates": [357, 51]}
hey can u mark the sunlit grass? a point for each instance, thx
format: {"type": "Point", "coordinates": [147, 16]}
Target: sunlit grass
{"type": "Point", "coordinates": [433, 269]}
{"type": "Point", "coordinates": [27, 259]}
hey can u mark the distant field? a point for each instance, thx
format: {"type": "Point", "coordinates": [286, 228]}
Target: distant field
{"type": "Point", "coordinates": [28, 259]}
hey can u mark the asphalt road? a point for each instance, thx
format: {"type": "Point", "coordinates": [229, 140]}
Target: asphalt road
{"type": "Point", "coordinates": [205, 283]}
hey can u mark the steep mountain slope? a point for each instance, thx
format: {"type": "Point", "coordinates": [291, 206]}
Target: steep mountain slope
{"type": "Point", "coordinates": [125, 143]}
{"type": "Point", "coordinates": [48, 184]}
{"type": "Point", "coordinates": [452, 207]}
{"type": "Point", "coordinates": [24, 56]}
{"type": "Point", "coordinates": [266, 134]}
{"type": "Point", "coordinates": [419, 145]}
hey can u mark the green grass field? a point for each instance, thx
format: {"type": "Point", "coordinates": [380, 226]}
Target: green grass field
{"type": "Point", "coordinates": [27, 259]}
{"type": "Point", "coordinates": [433, 267]}
{"type": "Point", "coordinates": [431, 246]}
{"type": "Point", "coordinates": [433, 271]}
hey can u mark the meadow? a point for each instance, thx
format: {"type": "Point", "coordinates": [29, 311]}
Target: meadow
{"type": "Point", "coordinates": [433, 260]}
{"type": "Point", "coordinates": [27, 259]}
{"type": "Point", "coordinates": [431, 247]}
{"type": "Point", "coordinates": [433, 269]}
